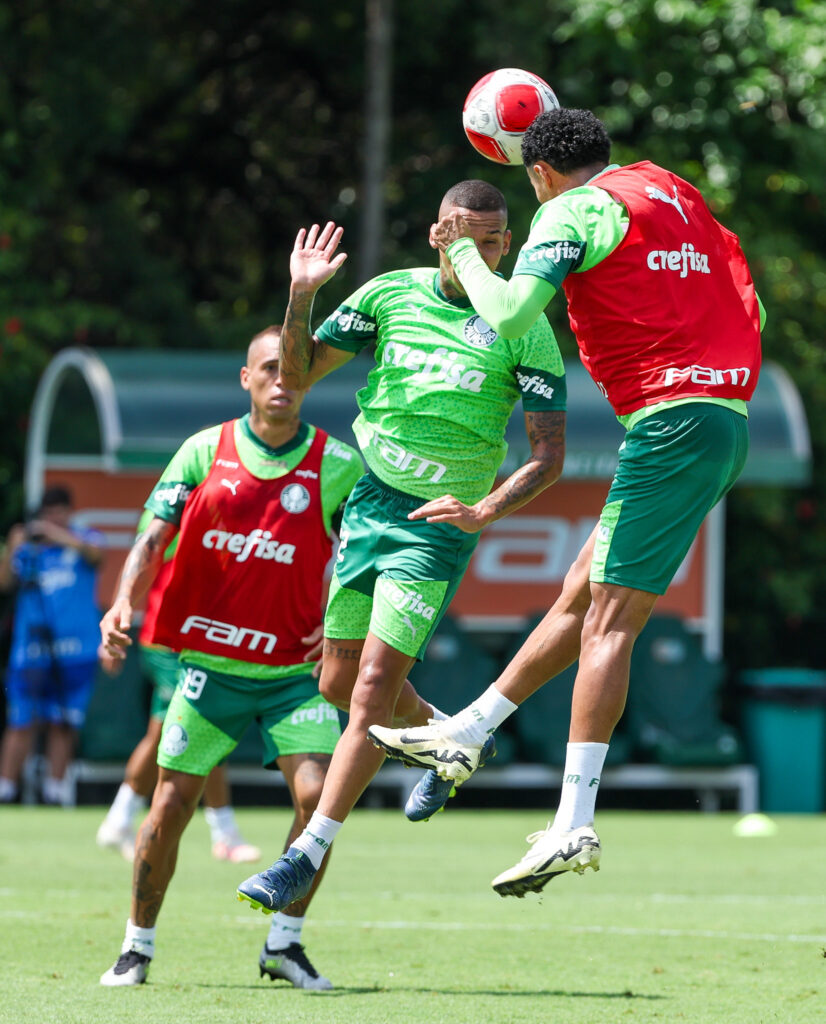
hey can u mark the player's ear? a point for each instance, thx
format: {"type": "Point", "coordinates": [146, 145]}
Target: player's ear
{"type": "Point", "coordinates": [245, 378]}
{"type": "Point", "coordinates": [506, 242]}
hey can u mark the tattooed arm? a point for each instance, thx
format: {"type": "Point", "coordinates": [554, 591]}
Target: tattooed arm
{"type": "Point", "coordinates": [546, 433]}
{"type": "Point", "coordinates": [305, 359]}
{"type": "Point", "coordinates": [139, 571]}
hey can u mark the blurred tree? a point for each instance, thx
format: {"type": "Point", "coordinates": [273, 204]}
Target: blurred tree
{"type": "Point", "coordinates": [157, 159]}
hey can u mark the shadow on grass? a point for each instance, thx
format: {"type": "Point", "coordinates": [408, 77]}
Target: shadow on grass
{"type": "Point", "coordinates": [345, 990]}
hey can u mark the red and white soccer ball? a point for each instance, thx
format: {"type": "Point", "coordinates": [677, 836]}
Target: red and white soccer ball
{"type": "Point", "coordinates": [500, 107]}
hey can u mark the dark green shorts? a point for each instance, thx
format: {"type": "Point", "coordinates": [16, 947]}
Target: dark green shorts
{"type": "Point", "coordinates": [211, 711]}
{"type": "Point", "coordinates": [394, 577]}
{"type": "Point", "coordinates": [674, 467]}
{"type": "Point", "coordinates": [161, 667]}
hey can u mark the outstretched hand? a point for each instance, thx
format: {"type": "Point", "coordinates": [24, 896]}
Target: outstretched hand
{"type": "Point", "coordinates": [452, 226]}
{"type": "Point", "coordinates": [314, 260]}
{"type": "Point", "coordinates": [448, 509]}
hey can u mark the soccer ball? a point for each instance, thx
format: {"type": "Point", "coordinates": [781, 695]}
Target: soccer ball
{"type": "Point", "coordinates": [500, 107]}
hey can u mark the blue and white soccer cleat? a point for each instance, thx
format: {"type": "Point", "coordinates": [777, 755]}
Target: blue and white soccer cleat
{"type": "Point", "coordinates": [551, 854]}
{"type": "Point", "coordinates": [287, 880]}
{"type": "Point", "coordinates": [430, 794]}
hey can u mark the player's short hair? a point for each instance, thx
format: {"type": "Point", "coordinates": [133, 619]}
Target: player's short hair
{"type": "Point", "coordinates": [55, 496]}
{"type": "Point", "coordinates": [476, 195]}
{"type": "Point", "coordinates": [567, 140]}
{"type": "Point", "coordinates": [272, 329]}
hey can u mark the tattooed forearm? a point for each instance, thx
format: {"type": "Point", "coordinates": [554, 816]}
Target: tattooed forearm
{"type": "Point", "coordinates": [144, 560]}
{"type": "Point", "coordinates": [298, 347]}
{"type": "Point", "coordinates": [546, 433]}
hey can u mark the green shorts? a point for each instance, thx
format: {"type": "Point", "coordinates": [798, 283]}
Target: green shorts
{"type": "Point", "coordinates": [674, 467]}
{"type": "Point", "coordinates": [161, 667]}
{"type": "Point", "coordinates": [394, 577]}
{"type": "Point", "coordinates": [210, 712]}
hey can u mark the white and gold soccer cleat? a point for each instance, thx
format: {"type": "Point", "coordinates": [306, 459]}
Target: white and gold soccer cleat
{"type": "Point", "coordinates": [426, 746]}
{"type": "Point", "coordinates": [551, 854]}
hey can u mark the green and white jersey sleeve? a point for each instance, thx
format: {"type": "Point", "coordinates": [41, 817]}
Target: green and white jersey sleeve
{"type": "Point", "coordinates": [569, 234]}
{"type": "Point", "coordinates": [573, 232]}
{"type": "Point", "coordinates": [436, 404]}
{"type": "Point", "coordinates": [341, 466]}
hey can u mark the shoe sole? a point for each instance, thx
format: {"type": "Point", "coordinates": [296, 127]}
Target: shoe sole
{"type": "Point", "coordinates": [243, 898]}
{"type": "Point", "coordinates": [412, 761]}
{"type": "Point", "coordinates": [586, 858]}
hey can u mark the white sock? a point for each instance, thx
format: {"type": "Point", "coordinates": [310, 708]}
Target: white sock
{"type": "Point", "coordinates": [473, 724]}
{"type": "Point", "coordinates": [438, 716]}
{"type": "Point", "coordinates": [142, 940]}
{"type": "Point", "coordinates": [8, 790]}
{"type": "Point", "coordinates": [124, 807]}
{"type": "Point", "coordinates": [316, 838]}
{"type": "Point", "coordinates": [580, 783]}
{"type": "Point", "coordinates": [221, 821]}
{"type": "Point", "coordinates": [284, 930]}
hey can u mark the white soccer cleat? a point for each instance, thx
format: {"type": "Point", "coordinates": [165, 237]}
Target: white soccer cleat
{"type": "Point", "coordinates": [426, 746]}
{"type": "Point", "coordinates": [233, 848]}
{"type": "Point", "coordinates": [293, 965]}
{"type": "Point", "coordinates": [130, 968]}
{"type": "Point", "coordinates": [120, 839]}
{"type": "Point", "coordinates": [551, 854]}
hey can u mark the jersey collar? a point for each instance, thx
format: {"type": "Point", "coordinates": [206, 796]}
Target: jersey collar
{"type": "Point", "coordinates": [264, 448]}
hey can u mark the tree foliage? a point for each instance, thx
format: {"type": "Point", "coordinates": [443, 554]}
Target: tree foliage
{"type": "Point", "coordinates": [157, 159]}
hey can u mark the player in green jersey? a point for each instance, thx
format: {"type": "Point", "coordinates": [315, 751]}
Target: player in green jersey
{"type": "Point", "coordinates": [431, 428]}
{"type": "Point", "coordinates": [217, 697]}
{"type": "Point", "coordinates": [682, 451]}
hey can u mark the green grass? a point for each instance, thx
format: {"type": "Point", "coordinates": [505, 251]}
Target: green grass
{"type": "Point", "coordinates": [685, 923]}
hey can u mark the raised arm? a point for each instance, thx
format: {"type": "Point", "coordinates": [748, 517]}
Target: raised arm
{"type": "Point", "coordinates": [546, 434]}
{"type": "Point", "coordinates": [305, 359]}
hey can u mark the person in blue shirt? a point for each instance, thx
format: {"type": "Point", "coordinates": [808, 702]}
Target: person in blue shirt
{"type": "Point", "coordinates": [52, 568]}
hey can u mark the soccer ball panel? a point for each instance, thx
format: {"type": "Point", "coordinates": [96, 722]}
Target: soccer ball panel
{"type": "Point", "coordinates": [499, 108]}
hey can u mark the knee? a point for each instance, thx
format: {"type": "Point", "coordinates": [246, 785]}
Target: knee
{"type": "Point", "coordinates": [170, 806]}
{"type": "Point", "coordinates": [372, 697]}
{"type": "Point", "coordinates": [308, 784]}
{"type": "Point", "coordinates": [336, 688]}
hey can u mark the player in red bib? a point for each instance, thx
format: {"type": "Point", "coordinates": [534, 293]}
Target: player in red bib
{"type": "Point", "coordinates": [667, 320]}
{"type": "Point", "coordinates": [253, 503]}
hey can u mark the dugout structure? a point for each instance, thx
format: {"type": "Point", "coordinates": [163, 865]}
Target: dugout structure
{"type": "Point", "coordinates": [106, 421]}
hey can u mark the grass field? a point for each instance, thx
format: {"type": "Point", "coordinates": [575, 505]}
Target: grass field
{"type": "Point", "coordinates": [685, 923]}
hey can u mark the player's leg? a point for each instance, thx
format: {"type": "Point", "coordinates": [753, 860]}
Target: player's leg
{"type": "Point", "coordinates": [674, 468]}
{"type": "Point", "coordinates": [283, 954]}
{"type": "Point", "coordinates": [346, 625]}
{"type": "Point", "coordinates": [456, 747]}
{"type": "Point", "coordinates": [117, 830]}
{"type": "Point", "coordinates": [354, 763]}
{"type": "Point", "coordinates": [206, 718]}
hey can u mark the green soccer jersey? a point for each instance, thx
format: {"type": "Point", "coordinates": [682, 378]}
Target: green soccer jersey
{"type": "Point", "coordinates": [436, 404]}
{"type": "Point", "coordinates": [341, 467]}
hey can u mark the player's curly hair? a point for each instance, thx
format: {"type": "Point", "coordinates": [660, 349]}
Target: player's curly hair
{"type": "Point", "coordinates": [567, 140]}
{"type": "Point", "coordinates": [476, 195]}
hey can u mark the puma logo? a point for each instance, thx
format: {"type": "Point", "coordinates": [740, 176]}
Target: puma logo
{"type": "Point", "coordinates": [232, 486]}
{"type": "Point", "coordinates": [663, 197]}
